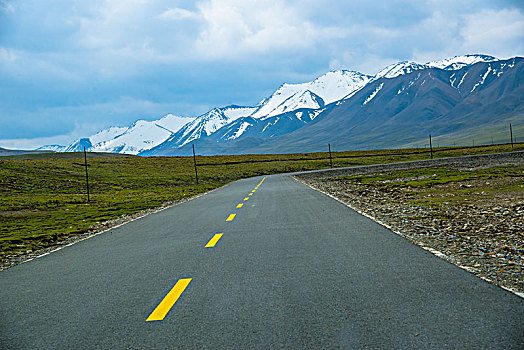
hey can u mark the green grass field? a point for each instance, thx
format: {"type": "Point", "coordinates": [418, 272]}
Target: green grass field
{"type": "Point", "coordinates": [428, 177]}
{"type": "Point", "coordinates": [43, 199]}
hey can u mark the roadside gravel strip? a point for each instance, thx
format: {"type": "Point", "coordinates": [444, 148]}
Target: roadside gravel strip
{"type": "Point", "coordinates": [485, 236]}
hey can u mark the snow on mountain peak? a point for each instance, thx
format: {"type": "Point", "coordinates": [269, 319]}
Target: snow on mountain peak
{"type": "Point", "coordinates": [53, 148]}
{"type": "Point", "coordinates": [208, 123]}
{"type": "Point", "coordinates": [233, 112]}
{"type": "Point", "coordinates": [400, 68]}
{"type": "Point", "coordinates": [458, 62]}
{"type": "Point", "coordinates": [107, 134]}
{"type": "Point", "coordinates": [306, 99]}
{"type": "Point", "coordinates": [336, 84]}
{"type": "Point", "coordinates": [140, 136]}
{"type": "Point", "coordinates": [330, 87]}
{"type": "Point", "coordinates": [173, 122]}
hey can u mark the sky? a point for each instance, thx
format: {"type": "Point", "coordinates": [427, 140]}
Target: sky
{"type": "Point", "coordinates": [69, 68]}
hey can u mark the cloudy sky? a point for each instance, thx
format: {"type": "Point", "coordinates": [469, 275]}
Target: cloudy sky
{"type": "Point", "coordinates": [69, 68]}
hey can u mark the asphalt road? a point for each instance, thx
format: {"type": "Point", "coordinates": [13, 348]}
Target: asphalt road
{"type": "Point", "coordinates": [293, 269]}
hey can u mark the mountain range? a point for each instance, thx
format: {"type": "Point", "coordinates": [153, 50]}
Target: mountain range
{"type": "Point", "coordinates": [456, 100]}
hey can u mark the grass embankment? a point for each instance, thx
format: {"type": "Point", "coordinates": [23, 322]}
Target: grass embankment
{"type": "Point", "coordinates": [442, 189]}
{"type": "Point", "coordinates": [425, 178]}
{"type": "Point", "coordinates": [43, 200]}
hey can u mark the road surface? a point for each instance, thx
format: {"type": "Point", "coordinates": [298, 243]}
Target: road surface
{"type": "Point", "coordinates": [291, 269]}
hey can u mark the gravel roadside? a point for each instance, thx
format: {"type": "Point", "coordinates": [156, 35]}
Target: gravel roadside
{"type": "Point", "coordinates": [484, 234]}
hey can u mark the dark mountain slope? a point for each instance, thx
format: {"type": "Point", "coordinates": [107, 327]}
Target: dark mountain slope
{"type": "Point", "coordinates": [408, 108]}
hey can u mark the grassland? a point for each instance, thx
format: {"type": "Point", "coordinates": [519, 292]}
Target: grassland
{"type": "Point", "coordinates": [429, 177]}
{"type": "Point", "coordinates": [43, 199]}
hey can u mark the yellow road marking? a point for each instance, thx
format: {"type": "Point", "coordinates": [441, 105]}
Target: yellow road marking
{"type": "Point", "coordinates": [240, 205]}
{"type": "Point", "coordinates": [231, 217]}
{"type": "Point", "coordinates": [169, 300]}
{"type": "Point", "coordinates": [253, 191]}
{"type": "Point", "coordinates": [213, 240]}
{"type": "Point", "coordinates": [246, 198]}
{"type": "Point", "coordinates": [261, 181]}
{"type": "Point", "coordinates": [250, 194]}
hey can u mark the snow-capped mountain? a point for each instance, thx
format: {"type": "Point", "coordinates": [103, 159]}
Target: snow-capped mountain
{"type": "Point", "coordinates": [53, 148]}
{"type": "Point", "coordinates": [457, 62]}
{"type": "Point", "coordinates": [306, 99]}
{"type": "Point", "coordinates": [140, 136]}
{"type": "Point", "coordinates": [79, 145]}
{"type": "Point", "coordinates": [454, 63]}
{"type": "Point", "coordinates": [208, 123]}
{"type": "Point", "coordinates": [313, 95]}
{"type": "Point", "coordinates": [324, 90]}
{"type": "Point", "coordinates": [107, 135]}
{"type": "Point", "coordinates": [397, 69]}
{"type": "Point", "coordinates": [397, 110]}
{"type": "Point", "coordinates": [478, 102]}
{"type": "Point", "coordinates": [293, 107]}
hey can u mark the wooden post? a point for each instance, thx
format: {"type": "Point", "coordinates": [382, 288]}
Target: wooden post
{"type": "Point", "coordinates": [511, 135]}
{"type": "Point", "coordinates": [194, 161]}
{"type": "Point", "coordinates": [430, 147]}
{"type": "Point", "coordinates": [87, 177]}
{"type": "Point", "coordinates": [330, 158]}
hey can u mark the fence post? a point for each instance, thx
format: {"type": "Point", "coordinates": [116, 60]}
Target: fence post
{"type": "Point", "coordinates": [430, 147]}
{"type": "Point", "coordinates": [194, 161]}
{"type": "Point", "coordinates": [511, 135]}
{"type": "Point", "coordinates": [87, 177]}
{"type": "Point", "coordinates": [330, 158]}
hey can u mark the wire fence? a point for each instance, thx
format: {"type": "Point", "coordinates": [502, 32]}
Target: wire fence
{"type": "Point", "coordinates": [338, 155]}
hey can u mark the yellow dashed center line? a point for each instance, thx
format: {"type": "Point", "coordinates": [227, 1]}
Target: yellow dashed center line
{"type": "Point", "coordinates": [261, 181]}
{"type": "Point", "coordinates": [169, 300]}
{"type": "Point", "coordinates": [160, 312]}
{"type": "Point", "coordinates": [213, 240]}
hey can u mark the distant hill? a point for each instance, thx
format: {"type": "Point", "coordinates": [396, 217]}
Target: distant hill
{"type": "Point", "coordinates": [14, 152]}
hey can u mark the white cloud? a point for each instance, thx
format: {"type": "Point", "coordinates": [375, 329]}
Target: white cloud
{"type": "Point", "coordinates": [492, 31]}
{"type": "Point", "coordinates": [7, 55]}
{"type": "Point", "coordinates": [27, 66]}
{"type": "Point", "coordinates": [176, 13]}
{"type": "Point", "coordinates": [112, 24]}
{"type": "Point", "coordinates": [240, 28]}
